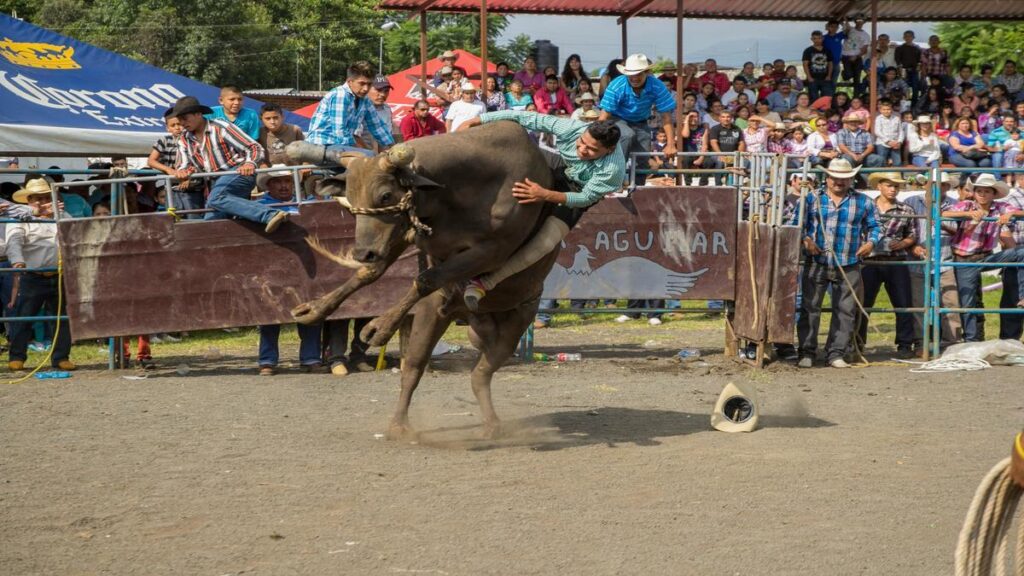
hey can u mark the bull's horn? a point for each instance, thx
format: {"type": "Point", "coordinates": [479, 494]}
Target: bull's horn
{"type": "Point", "coordinates": [397, 157]}
{"type": "Point", "coordinates": [344, 202]}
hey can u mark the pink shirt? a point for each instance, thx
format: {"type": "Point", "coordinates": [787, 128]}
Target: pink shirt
{"type": "Point", "coordinates": [548, 103]}
{"type": "Point", "coordinates": [531, 82]}
{"type": "Point", "coordinates": [977, 237]}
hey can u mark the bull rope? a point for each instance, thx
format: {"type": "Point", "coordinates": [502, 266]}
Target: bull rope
{"type": "Point", "coordinates": [986, 529]}
{"type": "Point", "coordinates": [404, 205]}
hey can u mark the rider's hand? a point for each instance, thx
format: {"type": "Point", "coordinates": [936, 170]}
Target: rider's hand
{"type": "Point", "coordinates": [529, 191]}
{"type": "Point", "coordinates": [246, 169]}
{"type": "Point", "coordinates": [811, 247]}
{"type": "Point", "coordinates": [468, 124]}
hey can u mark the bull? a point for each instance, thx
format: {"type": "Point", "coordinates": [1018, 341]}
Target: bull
{"type": "Point", "coordinates": [451, 196]}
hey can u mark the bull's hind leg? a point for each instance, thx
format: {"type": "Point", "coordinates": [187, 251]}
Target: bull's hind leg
{"type": "Point", "coordinates": [496, 335]}
{"type": "Point", "coordinates": [424, 331]}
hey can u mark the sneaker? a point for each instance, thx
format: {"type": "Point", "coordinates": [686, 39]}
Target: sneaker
{"type": "Point", "coordinates": [275, 221]}
{"type": "Point", "coordinates": [805, 362]}
{"type": "Point", "coordinates": [838, 363]}
{"type": "Point", "coordinates": [473, 294]}
{"type": "Point", "coordinates": [156, 339]}
{"type": "Point", "coordinates": [16, 365]}
{"type": "Point", "coordinates": [339, 369]}
{"type": "Point", "coordinates": [905, 353]}
{"type": "Point", "coordinates": [654, 321]}
{"type": "Point", "coordinates": [66, 365]}
{"type": "Point", "coordinates": [37, 347]}
{"type": "Point", "coordinates": [787, 352]}
{"type": "Point", "coordinates": [623, 319]}
{"type": "Point", "coordinates": [145, 363]}
{"type": "Point", "coordinates": [267, 371]}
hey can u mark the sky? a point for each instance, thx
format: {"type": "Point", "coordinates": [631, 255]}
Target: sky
{"type": "Point", "coordinates": [731, 42]}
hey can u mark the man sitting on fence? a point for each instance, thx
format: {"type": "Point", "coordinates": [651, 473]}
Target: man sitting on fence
{"type": "Point", "coordinates": [33, 245]}
{"type": "Point", "coordinates": [975, 242]}
{"type": "Point", "coordinates": [217, 146]}
{"type": "Point", "coordinates": [838, 220]}
{"type": "Point", "coordinates": [899, 236]}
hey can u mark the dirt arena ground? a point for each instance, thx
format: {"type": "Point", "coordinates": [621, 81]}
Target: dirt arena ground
{"type": "Point", "coordinates": [610, 467]}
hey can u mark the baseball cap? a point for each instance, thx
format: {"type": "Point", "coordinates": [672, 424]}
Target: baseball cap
{"type": "Point", "coordinates": [381, 81]}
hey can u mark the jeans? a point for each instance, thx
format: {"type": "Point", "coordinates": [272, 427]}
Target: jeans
{"type": "Point", "coordinates": [189, 200]}
{"type": "Point", "coordinates": [950, 331]}
{"type": "Point", "coordinates": [817, 279]}
{"type": "Point", "coordinates": [852, 68]}
{"type": "Point", "coordinates": [968, 280]}
{"type": "Point", "coordinates": [887, 154]}
{"type": "Point", "coordinates": [337, 342]}
{"type": "Point", "coordinates": [896, 280]}
{"type": "Point", "coordinates": [229, 196]}
{"type": "Point", "coordinates": [635, 137]}
{"type": "Point", "coordinates": [642, 304]}
{"type": "Point", "coordinates": [915, 84]}
{"type": "Point", "coordinates": [923, 162]}
{"type": "Point", "coordinates": [870, 161]}
{"type": "Point", "coordinates": [1011, 326]}
{"type": "Point", "coordinates": [818, 88]}
{"type": "Point", "coordinates": [37, 292]}
{"type": "Point", "coordinates": [309, 344]}
{"type": "Point", "coordinates": [962, 162]}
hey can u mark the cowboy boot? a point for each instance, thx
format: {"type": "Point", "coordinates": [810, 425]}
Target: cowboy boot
{"type": "Point", "coordinates": [306, 152]}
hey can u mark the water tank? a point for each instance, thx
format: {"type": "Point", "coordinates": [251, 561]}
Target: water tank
{"type": "Point", "coordinates": [546, 54]}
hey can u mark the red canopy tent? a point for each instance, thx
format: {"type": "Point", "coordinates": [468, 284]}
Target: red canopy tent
{"type": "Point", "coordinates": [405, 92]}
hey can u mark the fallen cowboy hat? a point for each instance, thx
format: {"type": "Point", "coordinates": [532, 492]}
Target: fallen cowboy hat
{"type": "Point", "coordinates": [449, 54]}
{"type": "Point", "coordinates": [635, 64]}
{"type": "Point", "coordinates": [987, 180]}
{"type": "Point", "coordinates": [840, 168]}
{"type": "Point", "coordinates": [277, 171]}
{"type": "Point", "coordinates": [188, 105]}
{"type": "Point", "coordinates": [892, 177]}
{"type": "Point", "coordinates": [586, 96]}
{"type": "Point", "coordinates": [32, 188]}
{"type": "Point", "coordinates": [736, 409]}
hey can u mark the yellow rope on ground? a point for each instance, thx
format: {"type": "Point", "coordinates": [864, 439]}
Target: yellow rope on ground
{"type": "Point", "coordinates": [381, 363]}
{"type": "Point", "coordinates": [56, 330]}
{"type": "Point", "coordinates": [984, 544]}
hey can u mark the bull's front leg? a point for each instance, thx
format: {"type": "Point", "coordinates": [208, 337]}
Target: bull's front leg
{"type": "Point", "coordinates": [459, 267]}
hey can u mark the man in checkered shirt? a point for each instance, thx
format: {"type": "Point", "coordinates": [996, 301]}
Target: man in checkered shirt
{"type": "Point", "coordinates": [840, 228]}
{"type": "Point", "coordinates": [975, 241]}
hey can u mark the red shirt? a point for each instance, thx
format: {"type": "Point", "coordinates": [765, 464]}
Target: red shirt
{"type": "Point", "coordinates": [412, 128]}
{"type": "Point", "coordinates": [719, 80]}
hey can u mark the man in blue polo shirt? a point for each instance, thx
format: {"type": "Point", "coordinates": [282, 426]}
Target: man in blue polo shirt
{"type": "Point", "coordinates": [833, 42]}
{"type": "Point", "coordinates": [628, 101]}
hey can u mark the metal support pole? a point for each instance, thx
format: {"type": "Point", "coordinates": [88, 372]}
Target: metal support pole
{"type": "Point", "coordinates": [679, 79]}
{"type": "Point", "coordinates": [625, 37]}
{"type": "Point", "coordinates": [483, 44]}
{"type": "Point", "coordinates": [935, 254]}
{"type": "Point", "coordinates": [423, 52]}
{"type": "Point", "coordinates": [873, 73]}
{"type": "Point", "coordinates": [320, 66]}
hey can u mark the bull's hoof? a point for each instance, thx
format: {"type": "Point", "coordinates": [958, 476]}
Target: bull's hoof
{"type": "Point", "coordinates": [378, 331]}
{"type": "Point", "coordinates": [307, 314]}
{"type": "Point", "coordinates": [401, 431]}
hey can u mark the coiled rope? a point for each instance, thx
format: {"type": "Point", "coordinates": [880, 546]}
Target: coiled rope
{"type": "Point", "coordinates": [983, 548]}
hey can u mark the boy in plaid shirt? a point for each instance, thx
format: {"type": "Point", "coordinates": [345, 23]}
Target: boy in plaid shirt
{"type": "Point", "coordinates": [975, 241]}
{"type": "Point", "coordinates": [164, 157]}
{"type": "Point", "coordinates": [899, 236]}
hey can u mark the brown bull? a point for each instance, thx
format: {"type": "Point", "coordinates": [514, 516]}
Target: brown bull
{"type": "Point", "coordinates": [450, 195]}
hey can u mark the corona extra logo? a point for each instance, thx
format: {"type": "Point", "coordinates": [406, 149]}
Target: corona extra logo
{"type": "Point", "coordinates": [38, 55]}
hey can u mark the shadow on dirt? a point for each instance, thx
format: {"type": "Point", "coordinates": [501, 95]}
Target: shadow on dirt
{"type": "Point", "coordinates": [610, 426]}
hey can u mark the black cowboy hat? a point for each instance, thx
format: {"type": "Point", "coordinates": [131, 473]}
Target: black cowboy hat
{"type": "Point", "coordinates": [187, 105]}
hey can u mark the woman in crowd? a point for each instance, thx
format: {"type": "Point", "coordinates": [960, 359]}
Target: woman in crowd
{"type": "Point", "coordinates": [967, 149]}
{"type": "Point", "coordinates": [493, 98]}
{"type": "Point", "coordinates": [764, 110]}
{"type": "Point", "coordinates": [707, 94]}
{"type": "Point", "coordinates": [794, 78]}
{"type": "Point", "coordinates": [610, 73]}
{"type": "Point", "coordinates": [947, 120]}
{"type": "Point", "coordinates": [529, 77]}
{"type": "Point", "coordinates": [803, 111]}
{"type": "Point", "coordinates": [503, 76]}
{"type": "Point", "coordinates": [821, 145]}
{"type": "Point", "coordinates": [586, 85]}
{"type": "Point", "coordinates": [923, 144]}
{"type": "Point", "coordinates": [572, 73]}
{"type": "Point", "coordinates": [841, 102]}
{"type": "Point", "coordinates": [694, 134]}
{"type": "Point", "coordinates": [931, 104]}
{"type": "Point", "coordinates": [857, 110]}
{"type": "Point", "coordinates": [516, 98]}
{"type": "Point", "coordinates": [755, 135]}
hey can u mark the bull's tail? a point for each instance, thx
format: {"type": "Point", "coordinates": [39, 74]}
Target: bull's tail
{"type": "Point", "coordinates": [343, 258]}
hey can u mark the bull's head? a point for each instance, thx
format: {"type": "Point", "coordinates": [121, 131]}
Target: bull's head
{"type": "Point", "coordinates": [376, 184]}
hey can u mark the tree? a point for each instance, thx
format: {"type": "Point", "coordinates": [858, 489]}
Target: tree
{"type": "Point", "coordinates": [449, 31]}
{"type": "Point", "coordinates": [978, 43]}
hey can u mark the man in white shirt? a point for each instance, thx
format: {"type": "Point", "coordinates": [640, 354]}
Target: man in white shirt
{"type": "Point", "coordinates": [886, 53]}
{"type": "Point", "coordinates": [889, 133]}
{"type": "Point", "coordinates": [739, 86]}
{"type": "Point", "coordinates": [465, 108]}
{"type": "Point", "coordinates": [33, 246]}
{"type": "Point", "coordinates": [855, 47]}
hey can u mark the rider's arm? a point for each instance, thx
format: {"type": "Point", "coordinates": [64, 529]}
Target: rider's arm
{"type": "Point", "coordinates": [532, 121]}
{"type": "Point", "coordinates": [607, 179]}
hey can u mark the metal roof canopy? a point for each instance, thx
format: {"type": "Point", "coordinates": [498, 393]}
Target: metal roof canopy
{"type": "Point", "coordinates": [888, 10]}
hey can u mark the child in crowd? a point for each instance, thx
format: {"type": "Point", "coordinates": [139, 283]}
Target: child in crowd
{"type": "Point", "coordinates": [231, 110]}
{"type": "Point", "coordinates": [164, 157]}
{"type": "Point", "coordinates": [276, 134]}
{"type": "Point", "coordinates": [464, 109]}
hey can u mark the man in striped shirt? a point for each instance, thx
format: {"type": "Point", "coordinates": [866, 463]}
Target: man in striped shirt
{"type": "Point", "coordinates": [588, 166]}
{"type": "Point", "coordinates": [838, 219]}
{"type": "Point", "coordinates": [219, 146]}
{"type": "Point", "coordinates": [628, 101]}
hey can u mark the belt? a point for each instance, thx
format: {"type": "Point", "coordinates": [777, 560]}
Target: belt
{"type": "Point", "coordinates": [44, 274]}
{"type": "Point", "coordinates": [972, 257]}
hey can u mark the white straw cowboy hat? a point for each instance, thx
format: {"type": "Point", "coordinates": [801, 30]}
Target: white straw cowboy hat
{"type": "Point", "coordinates": [987, 180]}
{"type": "Point", "coordinates": [32, 187]}
{"type": "Point", "coordinates": [449, 54]}
{"type": "Point", "coordinates": [468, 87]}
{"type": "Point", "coordinates": [277, 171]}
{"type": "Point", "coordinates": [590, 115]}
{"type": "Point", "coordinates": [923, 119]}
{"type": "Point", "coordinates": [853, 118]}
{"type": "Point", "coordinates": [635, 64]}
{"type": "Point", "coordinates": [840, 168]}
{"type": "Point", "coordinates": [586, 96]}
{"type": "Point", "coordinates": [878, 177]}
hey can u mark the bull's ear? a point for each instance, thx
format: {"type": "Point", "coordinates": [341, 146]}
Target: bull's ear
{"type": "Point", "coordinates": [420, 182]}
